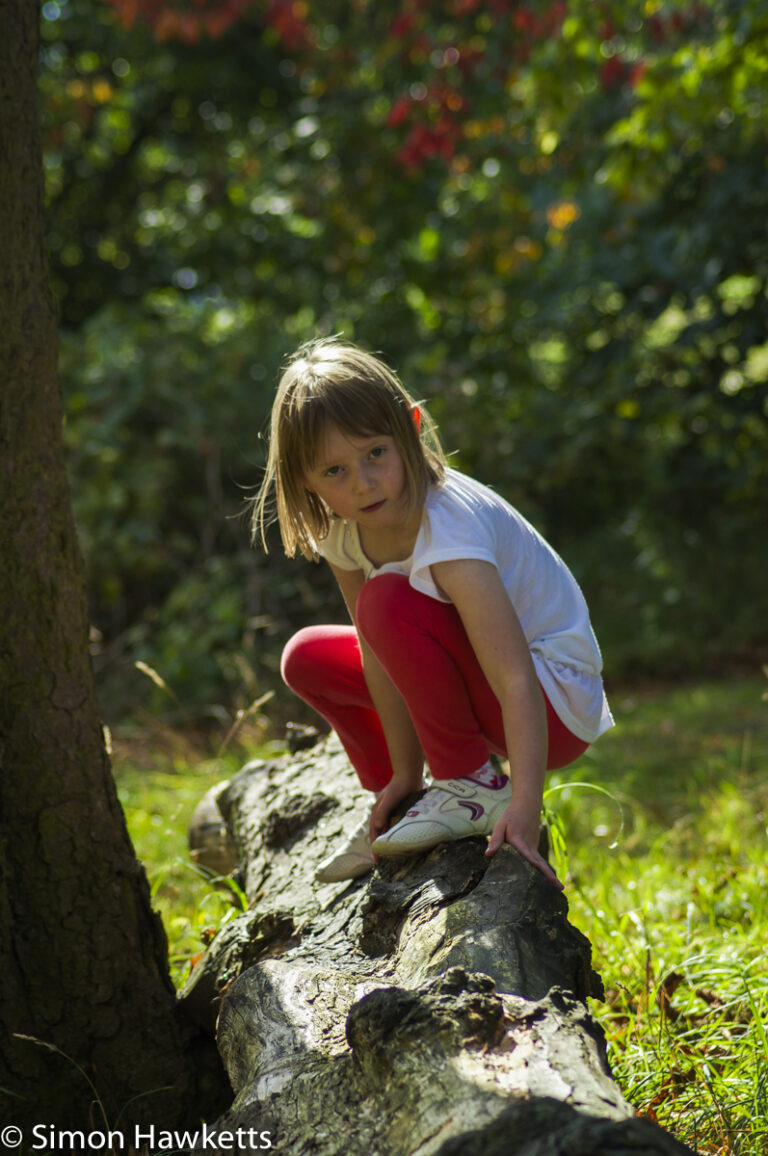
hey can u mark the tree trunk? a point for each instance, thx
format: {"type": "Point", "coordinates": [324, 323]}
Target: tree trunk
{"type": "Point", "coordinates": [435, 1007]}
{"type": "Point", "coordinates": [84, 960]}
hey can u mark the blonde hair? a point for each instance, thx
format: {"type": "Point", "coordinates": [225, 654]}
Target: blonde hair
{"type": "Point", "coordinates": [329, 383]}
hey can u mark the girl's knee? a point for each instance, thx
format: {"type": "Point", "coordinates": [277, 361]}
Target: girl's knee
{"type": "Point", "coordinates": [380, 604]}
{"type": "Point", "coordinates": [302, 657]}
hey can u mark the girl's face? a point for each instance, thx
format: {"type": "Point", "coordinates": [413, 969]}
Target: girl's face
{"type": "Point", "coordinates": [361, 479]}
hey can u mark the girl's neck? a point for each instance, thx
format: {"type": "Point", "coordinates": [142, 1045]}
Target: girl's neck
{"type": "Point", "coordinates": [391, 543]}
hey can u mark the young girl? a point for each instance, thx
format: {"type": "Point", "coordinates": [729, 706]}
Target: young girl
{"type": "Point", "coordinates": [469, 639]}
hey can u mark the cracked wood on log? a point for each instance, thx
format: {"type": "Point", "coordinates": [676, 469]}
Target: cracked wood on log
{"type": "Point", "coordinates": [436, 1007]}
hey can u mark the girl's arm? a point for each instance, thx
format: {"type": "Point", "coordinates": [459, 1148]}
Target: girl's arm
{"type": "Point", "coordinates": [404, 748]}
{"type": "Point", "coordinates": [497, 639]}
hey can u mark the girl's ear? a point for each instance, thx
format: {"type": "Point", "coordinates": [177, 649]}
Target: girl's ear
{"type": "Point", "coordinates": [416, 415]}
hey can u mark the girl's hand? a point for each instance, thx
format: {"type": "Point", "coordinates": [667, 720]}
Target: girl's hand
{"type": "Point", "coordinates": [394, 792]}
{"type": "Point", "coordinates": [524, 837]}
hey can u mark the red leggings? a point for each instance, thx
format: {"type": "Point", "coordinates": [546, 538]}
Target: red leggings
{"type": "Point", "coordinates": [422, 645]}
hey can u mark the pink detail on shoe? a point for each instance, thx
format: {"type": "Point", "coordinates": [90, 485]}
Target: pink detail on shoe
{"type": "Point", "coordinates": [475, 808]}
{"type": "Point", "coordinates": [492, 782]}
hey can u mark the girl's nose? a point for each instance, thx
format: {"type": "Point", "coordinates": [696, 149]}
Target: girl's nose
{"type": "Point", "coordinates": [362, 479]}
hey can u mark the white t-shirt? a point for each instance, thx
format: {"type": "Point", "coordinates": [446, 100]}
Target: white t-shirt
{"type": "Point", "coordinates": [465, 519]}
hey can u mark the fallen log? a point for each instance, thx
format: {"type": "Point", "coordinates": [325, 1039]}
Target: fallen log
{"type": "Point", "coordinates": [436, 1007]}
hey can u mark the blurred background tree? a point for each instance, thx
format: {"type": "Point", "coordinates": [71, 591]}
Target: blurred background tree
{"type": "Point", "coordinates": [551, 218]}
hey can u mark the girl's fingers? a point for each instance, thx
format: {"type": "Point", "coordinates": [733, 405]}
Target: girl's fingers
{"type": "Point", "coordinates": [379, 817]}
{"type": "Point", "coordinates": [494, 843]}
{"type": "Point", "coordinates": [533, 857]}
{"type": "Point", "coordinates": [376, 826]}
{"type": "Point", "coordinates": [548, 873]}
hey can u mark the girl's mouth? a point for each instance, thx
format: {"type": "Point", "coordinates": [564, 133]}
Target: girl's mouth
{"type": "Point", "coordinates": [372, 508]}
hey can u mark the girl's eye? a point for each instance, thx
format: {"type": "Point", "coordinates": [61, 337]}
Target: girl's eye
{"type": "Point", "coordinates": [333, 471]}
{"type": "Point", "coordinates": [377, 451]}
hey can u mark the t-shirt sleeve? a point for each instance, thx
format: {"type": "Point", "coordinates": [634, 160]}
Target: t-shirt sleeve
{"type": "Point", "coordinates": [457, 529]}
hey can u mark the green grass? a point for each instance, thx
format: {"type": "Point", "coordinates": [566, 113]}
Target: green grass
{"type": "Point", "coordinates": [667, 876]}
{"type": "Point", "coordinates": [159, 790]}
{"type": "Point", "coordinates": [664, 856]}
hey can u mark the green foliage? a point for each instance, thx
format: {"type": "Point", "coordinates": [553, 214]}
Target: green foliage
{"type": "Point", "coordinates": [550, 218]}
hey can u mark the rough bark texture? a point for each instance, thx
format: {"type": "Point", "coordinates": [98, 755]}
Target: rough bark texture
{"type": "Point", "coordinates": [84, 959]}
{"type": "Point", "coordinates": [435, 1007]}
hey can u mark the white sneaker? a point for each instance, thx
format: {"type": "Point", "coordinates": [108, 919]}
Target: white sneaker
{"type": "Point", "coordinates": [455, 809]}
{"type": "Point", "coordinates": [353, 858]}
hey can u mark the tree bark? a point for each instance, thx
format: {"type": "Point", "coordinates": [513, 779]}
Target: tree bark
{"type": "Point", "coordinates": [435, 1007]}
{"type": "Point", "coordinates": [85, 960]}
